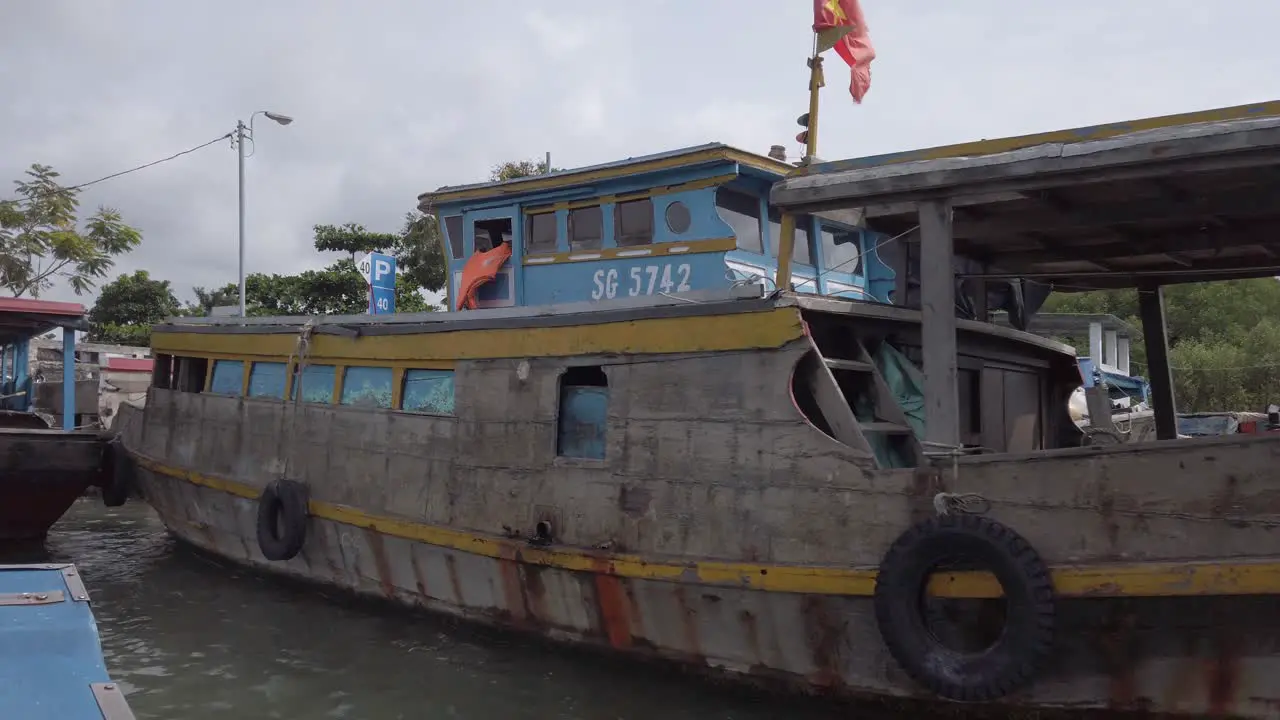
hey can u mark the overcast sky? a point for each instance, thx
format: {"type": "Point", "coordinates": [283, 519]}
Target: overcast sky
{"type": "Point", "coordinates": [393, 98]}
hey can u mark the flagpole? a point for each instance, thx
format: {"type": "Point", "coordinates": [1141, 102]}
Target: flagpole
{"type": "Point", "coordinates": [815, 83]}
{"type": "Point", "coordinates": [787, 229]}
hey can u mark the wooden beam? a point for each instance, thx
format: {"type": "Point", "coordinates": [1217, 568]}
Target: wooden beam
{"type": "Point", "coordinates": [938, 324]}
{"type": "Point", "coordinates": [1159, 374]}
{"type": "Point", "coordinates": [1163, 244]}
{"type": "Point", "coordinates": [1213, 210]}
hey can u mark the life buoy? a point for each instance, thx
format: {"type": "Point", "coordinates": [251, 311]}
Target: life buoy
{"type": "Point", "coordinates": [282, 519]}
{"type": "Point", "coordinates": [480, 268]}
{"type": "Point", "coordinates": [116, 476]}
{"type": "Point", "coordinates": [1027, 636]}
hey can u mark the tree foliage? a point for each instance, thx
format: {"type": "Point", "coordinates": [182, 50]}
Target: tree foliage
{"type": "Point", "coordinates": [41, 239]}
{"type": "Point", "coordinates": [128, 306]}
{"type": "Point", "coordinates": [340, 289]}
{"type": "Point", "coordinates": [1224, 339]}
{"type": "Point", "coordinates": [514, 169]}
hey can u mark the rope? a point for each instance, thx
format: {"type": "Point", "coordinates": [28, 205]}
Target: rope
{"type": "Point", "coordinates": [301, 351]}
{"type": "Point", "coordinates": [945, 503]}
{"type": "Point", "coordinates": [967, 503]}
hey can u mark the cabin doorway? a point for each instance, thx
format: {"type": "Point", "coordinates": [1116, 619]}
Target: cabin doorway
{"type": "Point", "coordinates": [485, 230]}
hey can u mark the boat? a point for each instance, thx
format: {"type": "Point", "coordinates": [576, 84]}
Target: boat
{"type": "Point", "coordinates": [51, 662]}
{"type": "Point", "coordinates": [43, 469]}
{"type": "Point", "coordinates": [710, 408]}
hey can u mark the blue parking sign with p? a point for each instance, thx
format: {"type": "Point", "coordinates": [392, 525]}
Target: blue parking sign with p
{"type": "Point", "coordinates": [380, 272]}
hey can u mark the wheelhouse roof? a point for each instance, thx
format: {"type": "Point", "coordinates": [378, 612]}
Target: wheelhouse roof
{"type": "Point", "coordinates": [1181, 198]}
{"type": "Point", "coordinates": [672, 159]}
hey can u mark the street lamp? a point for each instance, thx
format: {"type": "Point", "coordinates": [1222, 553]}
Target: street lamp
{"type": "Point", "coordinates": [240, 136]}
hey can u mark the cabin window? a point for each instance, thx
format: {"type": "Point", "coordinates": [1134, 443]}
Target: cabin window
{"type": "Point", "coordinates": [542, 232]}
{"type": "Point", "coordinates": [453, 232]}
{"type": "Point", "coordinates": [586, 228]}
{"type": "Point", "coordinates": [633, 221]}
{"type": "Point", "coordinates": [228, 378]}
{"type": "Point", "coordinates": [678, 218]}
{"type": "Point", "coordinates": [427, 391]}
{"type": "Point", "coordinates": [266, 380]}
{"type": "Point", "coordinates": [316, 382]}
{"type": "Point", "coordinates": [840, 251]}
{"type": "Point", "coordinates": [742, 213]}
{"type": "Point", "coordinates": [801, 254]}
{"type": "Point", "coordinates": [584, 412]}
{"type": "Point", "coordinates": [367, 387]}
{"type": "Point", "coordinates": [189, 373]}
{"type": "Point", "coordinates": [489, 234]}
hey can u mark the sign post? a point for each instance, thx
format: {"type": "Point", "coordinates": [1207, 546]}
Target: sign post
{"type": "Point", "coordinates": [379, 272]}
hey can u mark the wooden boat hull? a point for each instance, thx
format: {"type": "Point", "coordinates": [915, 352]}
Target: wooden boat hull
{"type": "Point", "coordinates": [42, 472]}
{"type": "Point", "coordinates": [810, 629]}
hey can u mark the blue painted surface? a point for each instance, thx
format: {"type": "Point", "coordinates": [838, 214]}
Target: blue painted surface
{"type": "Point", "coordinates": [367, 386]}
{"type": "Point", "coordinates": [623, 277]}
{"type": "Point", "coordinates": [563, 281]}
{"type": "Point", "coordinates": [68, 379]}
{"type": "Point", "coordinates": [1133, 385]}
{"type": "Point", "coordinates": [22, 375]}
{"type": "Point", "coordinates": [316, 383]}
{"type": "Point", "coordinates": [49, 654]}
{"type": "Point", "coordinates": [228, 377]}
{"type": "Point", "coordinates": [584, 414]}
{"type": "Point", "coordinates": [266, 379]}
{"type": "Point", "coordinates": [428, 391]}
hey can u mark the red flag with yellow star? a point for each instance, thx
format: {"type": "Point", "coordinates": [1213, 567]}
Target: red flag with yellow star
{"type": "Point", "coordinates": [841, 25]}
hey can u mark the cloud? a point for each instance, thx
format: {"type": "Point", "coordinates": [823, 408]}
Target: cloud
{"type": "Point", "coordinates": [395, 98]}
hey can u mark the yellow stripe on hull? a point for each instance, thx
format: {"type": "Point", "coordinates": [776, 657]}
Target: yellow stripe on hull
{"type": "Point", "coordinates": [1151, 579]}
{"type": "Point", "coordinates": [670, 335]}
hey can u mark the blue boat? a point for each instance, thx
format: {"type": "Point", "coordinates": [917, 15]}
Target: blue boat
{"type": "Point", "coordinates": [51, 663]}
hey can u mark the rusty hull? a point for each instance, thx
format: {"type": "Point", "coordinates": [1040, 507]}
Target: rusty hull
{"type": "Point", "coordinates": [42, 472]}
{"type": "Point", "coordinates": [1215, 656]}
{"type": "Point", "coordinates": [709, 459]}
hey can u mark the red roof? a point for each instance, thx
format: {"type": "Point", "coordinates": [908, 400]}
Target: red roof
{"type": "Point", "coordinates": [40, 307]}
{"type": "Point", "coordinates": [130, 364]}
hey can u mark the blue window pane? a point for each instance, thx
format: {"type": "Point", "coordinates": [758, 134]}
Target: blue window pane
{"type": "Point", "coordinates": [266, 380]}
{"type": "Point", "coordinates": [367, 387]}
{"type": "Point", "coordinates": [228, 378]}
{"type": "Point", "coordinates": [317, 384]}
{"type": "Point", "coordinates": [428, 391]}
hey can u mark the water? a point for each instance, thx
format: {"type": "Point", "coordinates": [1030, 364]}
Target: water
{"type": "Point", "coordinates": [189, 637]}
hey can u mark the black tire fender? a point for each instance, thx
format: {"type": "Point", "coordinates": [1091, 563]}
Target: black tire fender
{"type": "Point", "coordinates": [117, 476]}
{"type": "Point", "coordinates": [1028, 634]}
{"type": "Point", "coordinates": [282, 519]}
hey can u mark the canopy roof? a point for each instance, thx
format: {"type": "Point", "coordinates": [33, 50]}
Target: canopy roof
{"type": "Point", "coordinates": [22, 318]}
{"type": "Point", "coordinates": [1183, 198]}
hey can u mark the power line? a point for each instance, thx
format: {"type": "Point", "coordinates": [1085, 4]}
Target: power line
{"type": "Point", "coordinates": [123, 172]}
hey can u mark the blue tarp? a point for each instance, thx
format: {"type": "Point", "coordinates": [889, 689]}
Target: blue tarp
{"type": "Point", "coordinates": [1132, 385]}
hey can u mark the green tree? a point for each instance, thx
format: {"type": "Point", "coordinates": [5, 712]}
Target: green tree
{"type": "Point", "coordinates": [41, 240]}
{"type": "Point", "coordinates": [128, 307]}
{"type": "Point", "coordinates": [513, 169]}
{"type": "Point", "coordinates": [1224, 339]}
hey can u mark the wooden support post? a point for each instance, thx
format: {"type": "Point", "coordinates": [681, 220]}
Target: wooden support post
{"type": "Point", "coordinates": [1159, 374]}
{"type": "Point", "coordinates": [938, 331]}
{"type": "Point", "coordinates": [786, 244]}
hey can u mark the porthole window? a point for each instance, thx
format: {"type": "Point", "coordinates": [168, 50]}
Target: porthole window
{"type": "Point", "coordinates": [678, 219]}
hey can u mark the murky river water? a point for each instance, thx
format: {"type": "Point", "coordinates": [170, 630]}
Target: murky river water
{"type": "Point", "coordinates": [188, 637]}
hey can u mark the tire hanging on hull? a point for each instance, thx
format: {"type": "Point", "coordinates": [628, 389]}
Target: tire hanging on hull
{"type": "Point", "coordinates": [282, 519]}
{"type": "Point", "coordinates": [118, 473]}
{"type": "Point", "coordinates": [1026, 640]}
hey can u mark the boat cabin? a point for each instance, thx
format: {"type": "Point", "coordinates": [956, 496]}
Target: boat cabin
{"type": "Point", "coordinates": [683, 221]}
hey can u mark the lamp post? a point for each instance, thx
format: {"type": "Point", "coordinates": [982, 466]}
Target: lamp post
{"type": "Point", "coordinates": [240, 136]}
